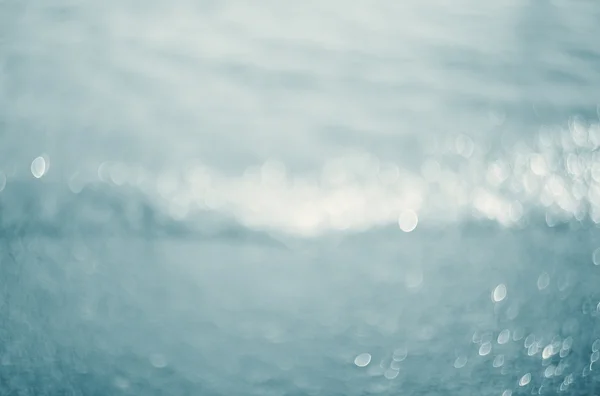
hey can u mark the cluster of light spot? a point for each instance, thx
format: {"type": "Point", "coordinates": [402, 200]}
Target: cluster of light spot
{"type": "Point", "coordinates": [557, 174]}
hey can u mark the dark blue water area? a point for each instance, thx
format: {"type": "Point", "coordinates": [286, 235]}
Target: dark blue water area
{"type": "Point", "coordinates": [149, 308]}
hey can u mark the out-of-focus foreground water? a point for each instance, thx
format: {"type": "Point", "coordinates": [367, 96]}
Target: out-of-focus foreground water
{"type": "Point", "coordinates": [294, 198]}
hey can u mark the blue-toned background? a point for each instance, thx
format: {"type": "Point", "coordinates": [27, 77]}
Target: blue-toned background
{"type": "Point", "coordinates": [299, 198]}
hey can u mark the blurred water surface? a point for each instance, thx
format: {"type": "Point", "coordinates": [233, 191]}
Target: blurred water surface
{"type": "Point", "coordinates": [328, 198]}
